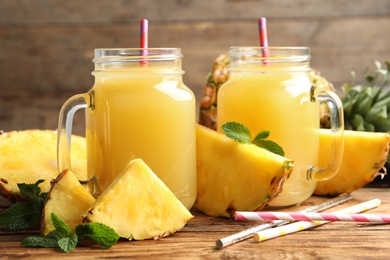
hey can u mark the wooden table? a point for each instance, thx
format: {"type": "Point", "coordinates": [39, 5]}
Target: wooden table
{"type": "Point", "coordinates": [335, 240]}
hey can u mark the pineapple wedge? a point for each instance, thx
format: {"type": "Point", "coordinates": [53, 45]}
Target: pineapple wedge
{"type": "Point", "coordinates": [365, 154]}
{"type": "Point", "coordinates": [138, 205]}
{"type": "Point", "coordinates": [235, 176]}
{"type": "Point", "coordinates": [29, 155]}
{"type": "Point", "coordinates": [68, 199]}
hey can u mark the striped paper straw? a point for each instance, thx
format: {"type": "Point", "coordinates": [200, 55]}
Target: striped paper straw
{"type": "Point", "coordinates": [258, 216]}
{"type": "Point", "coordinates": [263, 37]}
{"type": "Point", "coordinates": [144, 28]}
{"type": "Point", "coordinates": [302, 225]}
{"type": "Point", "coordinates": [245, 234]}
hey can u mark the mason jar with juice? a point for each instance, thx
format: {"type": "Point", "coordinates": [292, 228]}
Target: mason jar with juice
{"type": "Point", "coordinates": [139, 107]}
{"type": "Point", "coordinates": [274, 93]}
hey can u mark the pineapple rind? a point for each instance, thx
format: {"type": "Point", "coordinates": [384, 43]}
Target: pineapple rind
{"type": "Point", "coordinates": [68, 199]}
{"type": "Point", "coordinates": [29, 155]}
{"type": "Point", "coordinates": [235, 176]}
{"type": "Point", "coordinates": [138, 205]}
{"type": "Point", "coordinates": [365, 154]}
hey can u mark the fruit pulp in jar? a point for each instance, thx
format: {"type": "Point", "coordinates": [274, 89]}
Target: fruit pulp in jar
{"type": "Point", "coordinates": [149, 117]}
{"type": "Point", "coordinates": [279, 103]}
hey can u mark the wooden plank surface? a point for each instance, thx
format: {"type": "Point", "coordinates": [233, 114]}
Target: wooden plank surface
{"type": "Point", "coordinates": [196, 240]}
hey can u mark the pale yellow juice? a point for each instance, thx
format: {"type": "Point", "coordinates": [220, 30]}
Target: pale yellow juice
{"type": "Point", "coordinates": [145, 116]}
{"type": "Point", "coordinates": [279, 103]}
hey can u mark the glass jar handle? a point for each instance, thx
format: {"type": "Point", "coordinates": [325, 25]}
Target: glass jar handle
{"type": "Point", "coordinates": [65, 122]}
{"type": "Point", "coordinates": [337, 141]}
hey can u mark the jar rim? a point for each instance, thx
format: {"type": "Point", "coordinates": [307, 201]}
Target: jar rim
{"type": "Point", "coordinates": [136, 54]}
{"type": "Point", "coordinates": [273, 53]}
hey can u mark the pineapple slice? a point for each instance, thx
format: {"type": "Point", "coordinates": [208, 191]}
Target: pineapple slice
{"type": "Point", "coordinates": [29, 155]}
{"type": "Point", "coordinates": [68, 199]}
{"type": "Point", "coordinates": [138, 205]}
{"type": "Point", "coordinates": [365, 154]}
{"type": "Point", "coordinates": [235, 176]}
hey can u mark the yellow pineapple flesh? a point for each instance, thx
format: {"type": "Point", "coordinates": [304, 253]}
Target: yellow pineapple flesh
{"type": "Point", "coordinates": [235, 176]}
{"type": "Point", "coordinates": [29, 155]}
{"type": "Point", "coordinates": [365, 154]}
{"type": "Point", "coordinates": [138, 205]}
{"type": "Point", "coordinates": [68, 199]}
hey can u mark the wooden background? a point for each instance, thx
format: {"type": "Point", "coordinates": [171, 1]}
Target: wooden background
{"type": "Point", "coordinates": [46, 46]}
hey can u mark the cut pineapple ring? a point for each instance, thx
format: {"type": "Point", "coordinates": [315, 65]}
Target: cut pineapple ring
{"type": "Point", "coordinates": [138, 205]}
{"type": "Point", "coordinates": [365, 154]}
{"type": "Point", "coordinates": [68, 199]}
{"type": "Point", "coordinates": [29, 155]}
{"type": "Point", "coordinates": [235, 176]}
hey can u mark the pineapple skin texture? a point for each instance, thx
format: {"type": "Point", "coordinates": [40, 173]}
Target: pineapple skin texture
{"type": "Point", "coordinates": [68, 199]}
{"type": "Point", "coordinates": [234, 176]}
{"type": "Point", "coordinates": [365, 154]}
{"type": "Point", "coordinates": [29, 155]}
{"type": "Point", "coordinates": [138, 205]}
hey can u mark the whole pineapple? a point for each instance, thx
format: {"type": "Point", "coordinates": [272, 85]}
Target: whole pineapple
{"type": "Point", "coordinates": [367, 105]}
{"type": "Point", "coordinates": [208, 104]}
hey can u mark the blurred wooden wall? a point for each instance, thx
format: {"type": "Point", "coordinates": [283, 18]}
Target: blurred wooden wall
{"type": "Point", "coordinates": [46, 46]}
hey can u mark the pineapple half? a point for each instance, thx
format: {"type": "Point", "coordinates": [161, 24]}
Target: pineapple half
{"type": "Point", "coordinates": [29, 155]}
{"type": "Point", "coordinates": [365, 154]}
{"type": "Point", "coordinates": [138, 205]}
{"type": "Point", "coordinates": [235, 176]}
{"type": "Point", "coordinates": [68, 199]}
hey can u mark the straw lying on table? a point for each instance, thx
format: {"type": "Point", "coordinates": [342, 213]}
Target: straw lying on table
{"type": "Point", "coordinates": [235, 238]}
{"type": "Point", "coordinates": [302, 225]}
{"type": "Point", "coordinates": [258, 216]}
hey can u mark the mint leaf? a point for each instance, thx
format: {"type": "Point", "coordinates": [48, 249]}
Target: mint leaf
{"type": "Point", "coordinates": [270, 146]}
{"type": "Point", "coordinates": [261, 135]}
{"type": "Point", "coordinates": [99, 233]}
{"type": "Point", "coordinates": [20, 215]}
{"type": "Point", "coordinates": [237, 132]}
{"type": "Point", "coordinates": [68, 243]}
{"type": "Point", "coordinates": [27, 214]}
{"type": "Point", "coordinates": [40, 242]}
{"type": "Point", "coordinates": [241, 133]}
{"type": "Point", "coordinates": [60, 226]}
{"type": "Point", "coordinates": [30, 191]}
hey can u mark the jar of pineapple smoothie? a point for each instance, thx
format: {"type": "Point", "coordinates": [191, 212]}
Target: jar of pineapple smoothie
{"type": "Point", "coordinates": [139, 107]}
{"type": "Point", "coordinates": [274, 93]}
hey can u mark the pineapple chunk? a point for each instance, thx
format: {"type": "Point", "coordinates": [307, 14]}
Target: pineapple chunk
{"type": "Point", "coordinates": [68, 199]}
{"type": "Point", "coordinates": [29, 155]}
{"type": "Point", "coordinates": [235, 176]}
{"type": "Point", "coordinates": [138, 205]}
{"type": "Point", "coordinates": [365, 154]}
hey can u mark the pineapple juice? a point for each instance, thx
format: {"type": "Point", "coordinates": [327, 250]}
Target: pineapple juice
{"type": "Point", "coordinates": [274, 93]}
{"type": "Point", "coordinates": [139, 107]}
{"type": "Point", "coordinates": [146, 117]}
{"type": "Point", "coordinates": [279, 103]}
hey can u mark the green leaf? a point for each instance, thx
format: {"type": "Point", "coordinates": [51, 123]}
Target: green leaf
{"type": "Point", "coordinates": [99, 233]}
{"type": "Point", "coordinates": [237, 132]}
{"type": "Point", "coordinates": [30, 191]}
{"type": "Point", "coordinates": [60, 226]}
{"type": "Point", "coordinates": [40, 242]}
{"type": "Point", "coordinates": [270, 146]}
{"type": "Point", "coordinates": [20, 215]}
{"type": "Point", "coordinates": [68, 243]}
{"type": "Point", "coordinates": [261, 135]}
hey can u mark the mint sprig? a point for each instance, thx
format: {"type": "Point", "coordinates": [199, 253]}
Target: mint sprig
{"type": "Point", "coordinates": [25, 214]}
{"type": "Point", "coordinates": [63, 238]}
{"type": "Point", "coordinates": [242, 134]}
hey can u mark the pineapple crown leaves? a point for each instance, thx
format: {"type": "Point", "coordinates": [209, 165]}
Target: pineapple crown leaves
{"type": "Point", "coordinates": [367, 105]}
{"type": "Point", "coordinates": [242, 134]}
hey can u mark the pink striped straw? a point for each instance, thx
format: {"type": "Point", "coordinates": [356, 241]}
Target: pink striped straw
{"type": "Point", "coordinates": [144, 25]}
{"type": "Point", "coordinates": [263, 37]}
{"type": "Point", "coordinates": [300, 216]}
